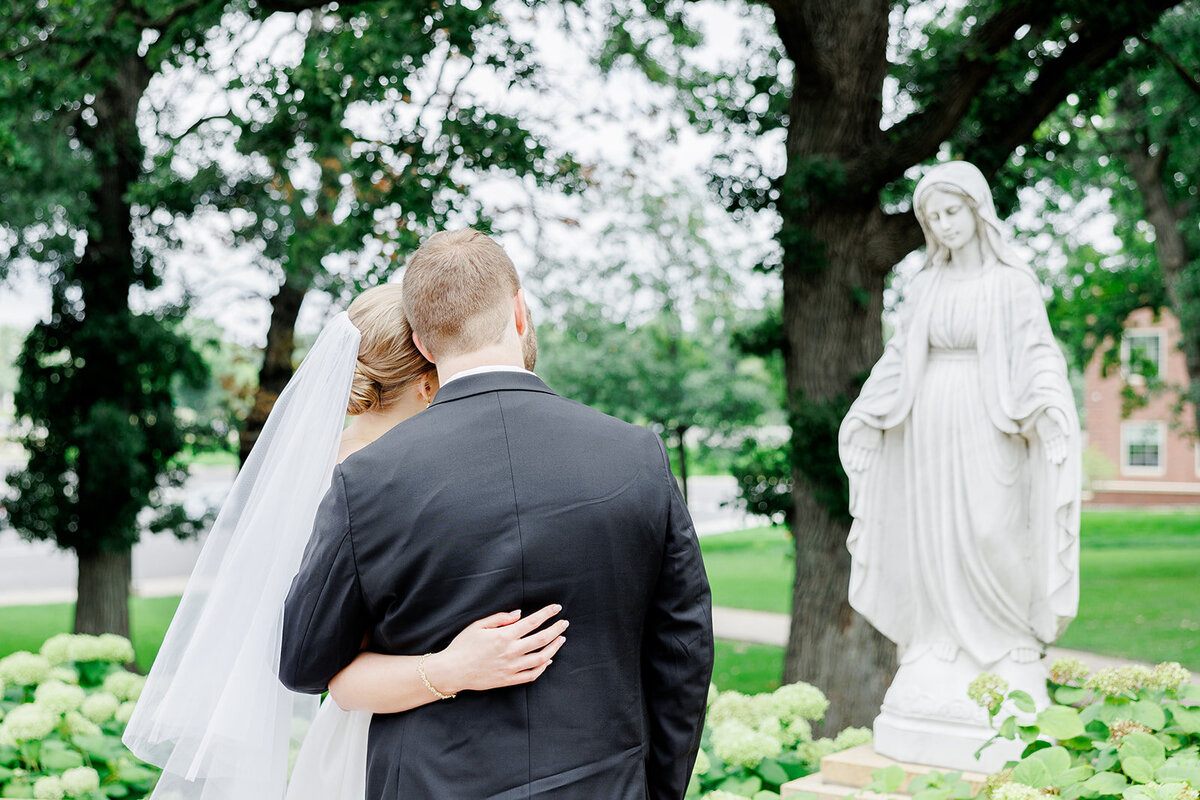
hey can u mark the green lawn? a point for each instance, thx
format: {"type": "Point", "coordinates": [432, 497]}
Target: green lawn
{"type": "Point", "coordinates": [1140, 596]}
{"type": "Point", "coordinates": [26, 627]}
{"type": "Point", "coordinates": [1139, 575]}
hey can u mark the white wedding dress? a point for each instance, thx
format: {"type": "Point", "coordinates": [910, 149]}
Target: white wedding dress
{"type": "Point", "coordinates": [332, 762]}
{"type": "Point", "coordinates": [213, 714]}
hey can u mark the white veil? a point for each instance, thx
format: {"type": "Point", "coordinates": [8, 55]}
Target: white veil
{"type": "Point", "coordinates": [213, 714]}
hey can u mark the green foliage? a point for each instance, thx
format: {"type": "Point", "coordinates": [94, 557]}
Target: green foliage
{"type": "Point", "coordinates": [102, 433]}
{"type": "Point", "coordinates": [64, 711]}
{"type": "Point", "coordinates": [367, 143]}
{"type": "Point", "coordinates": [753, 744]}
{"type": "Point", "coordinates": [1129, 732]}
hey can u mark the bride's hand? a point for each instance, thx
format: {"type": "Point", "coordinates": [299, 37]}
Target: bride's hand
{"type": "Point", "coordinates": [500, 650]}
{"type": "Point", "coordinates": [861, 444]}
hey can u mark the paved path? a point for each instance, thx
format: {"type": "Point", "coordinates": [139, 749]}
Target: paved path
{"type": "Point", "coordinates": [765, 627]}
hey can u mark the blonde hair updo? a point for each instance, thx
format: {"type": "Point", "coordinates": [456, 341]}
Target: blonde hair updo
{"type": "Point", "coordinates": [388, 361]}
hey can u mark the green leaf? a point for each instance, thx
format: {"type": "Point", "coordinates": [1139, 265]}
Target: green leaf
{"type": "Point", "coordinates": [1028, 733]}
{"type": "Point", "coordinates": [1069, 695]}
{"type": "Point", "coordinates": [135, 773]}
{"type": "Point", "coordinates": [939, 793]}
{"type": "Point", "coordinates": [746, 787]}
{"type": "Point", "coordinates": [1060, 722]}
{"type": "Point", "coordinates": [1189, 691]}
{"type": "Point", "coordinates": [1008, 728]}
{"type": "Point", "coordinates": [766, 795]}
{"type": "Point", "coordinates": [1074, 775]}
{"type": "Point", "coordinates": [1105, 783]}
{"type": "Point", "coordinates": [61, 760]}
{"type": "Point", "coordinates": [1179, 770]}
{"type": "Point", "coordinates": [1142, 745]}
{"type": "Point", "coordinates": [1138, 769]}
{"type": "Point", "coordinates": [1022, 701]}
{"type": "Point", "coordinates": [5, 774]}
{"type": "Point", "coordinates": [1032, 772]}
{"type": "Point", "coordinates": [693, 787]}
{"type": "Point", "coordinates": [887, 780]}
{"type": "Point", "coordinates": [18, 788]}
{"type": "Point", "coordinates": [1056, 759]}
{"type": "Point", "coordinates": [1149, 714]}
{"type": "Point", "coordinates": [1184, 718]}
{"type": "Point", "coordinates": [771, 772]}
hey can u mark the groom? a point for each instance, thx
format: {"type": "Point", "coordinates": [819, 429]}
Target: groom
{"type": "Point", "coordinates": [503, 495]}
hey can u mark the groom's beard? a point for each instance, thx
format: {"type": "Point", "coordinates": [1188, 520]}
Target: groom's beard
{"type": "Point", "coordinates": [529, 343]}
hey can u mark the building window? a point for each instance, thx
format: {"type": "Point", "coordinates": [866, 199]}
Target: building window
{"type": "Point", "coordinates": [1143, 355]}
{"type": "Point", "coordinates": [1143, 448]}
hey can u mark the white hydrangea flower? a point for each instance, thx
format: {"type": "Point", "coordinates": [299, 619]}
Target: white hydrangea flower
{"type": "Point", "coordinates": [80, 780]}
{"type": "Point", "coordinates": [29, 722]}
{"type": "Point", "coordinates": [712, 694]}
{"type": "Point", "coordinates": [720, 794]}
{"type": "Point", "coordinates": [737, 743]}
{"type": "Point", "coordinates": [1017, 791]}
{"type": "Point", "coordinates": [116, 649]}
{"type": "Point", "coordinates": [100, 707]}
{"type": "Point", "coordinates": [703, 764]}
{"type": "Point", "coordinates": [730, 706]}
{"type": "Point", "coordinates": [1116, 681]}
{"type": "Point", "coordinates": [124, 685]}
{"type": "Point", "coordinates": [814, 751]}
{"type": "Point", "coordinates": [1068, 670]}
{"type": "Point", "coordinates": [125, 712]}
{"type": "Point", "coordinates": [988, 690]}
{"type": "Point", "coordinates": [23, 669]}
{"type": "Point", "coordinates": [59, 697]}
{"type": "Point", "coordinates": [1169, 675]}
{"type": "Point", "coordinates": [49, 788]}
{"type": "Point", "coordinates": [799, 701]}
{"type": "Point", "coordinates": [58, 648]}
{"type": "Point", "coordinates": [79, 725]}
{"type": "Point", "coordinates": [65, 674]}
{"type": "Point", "coordinates": [6, 738]}
{"type": "Point", "coordinates": [797, 731]}
{"type": "Point", "coordinates": [852, 737]}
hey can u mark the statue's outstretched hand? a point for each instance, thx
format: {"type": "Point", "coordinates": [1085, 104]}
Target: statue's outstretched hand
{"type": "Point", "coordinates": [861, 446]}
{"type": "Point", "coordinates": [1051, 427]}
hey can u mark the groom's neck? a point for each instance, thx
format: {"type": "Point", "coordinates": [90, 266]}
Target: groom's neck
{"type": "Point", "coordinates": [501, 355]}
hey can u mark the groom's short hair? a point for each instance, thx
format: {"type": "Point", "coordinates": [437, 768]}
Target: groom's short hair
{"type": "Point", "coordinates": [458, 289]}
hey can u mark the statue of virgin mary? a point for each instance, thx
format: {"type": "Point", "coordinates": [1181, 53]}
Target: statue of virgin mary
{"type": "Point", "coordinates": [963, 456]}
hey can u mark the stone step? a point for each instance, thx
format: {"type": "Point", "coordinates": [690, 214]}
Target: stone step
{"type": "Point", "coordinates": [850, 770]}
{"type": "Point", "coordinates": [813, 785]}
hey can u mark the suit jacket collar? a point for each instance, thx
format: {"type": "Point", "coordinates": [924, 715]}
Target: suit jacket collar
{"type": "Point", "coordinates": [503, 381]}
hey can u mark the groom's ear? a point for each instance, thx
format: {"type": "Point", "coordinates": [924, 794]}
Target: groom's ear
{"type": "Point", "coordinates": [520, 312]}
{"type": "Point", "coordinates": [421, 348]}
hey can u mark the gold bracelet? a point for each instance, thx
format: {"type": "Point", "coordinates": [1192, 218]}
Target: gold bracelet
{"type": "Point", "coordinates": [425, 679]}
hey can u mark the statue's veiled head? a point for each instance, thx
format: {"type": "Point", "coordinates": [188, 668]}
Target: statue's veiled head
{"type": "Point", "coordinates": [934, 197]}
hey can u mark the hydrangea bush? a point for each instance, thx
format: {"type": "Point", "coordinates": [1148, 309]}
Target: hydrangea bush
{"type": "Point", "coordinates": [1126, 733]}
{"type": "Point", "coordinates": [753, 744]}
{"type": "Point", "coordinates": [62, 713]}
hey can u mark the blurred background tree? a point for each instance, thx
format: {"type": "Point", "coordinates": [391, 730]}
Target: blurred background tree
{"type": "Point", "coordinates": [858, 94]}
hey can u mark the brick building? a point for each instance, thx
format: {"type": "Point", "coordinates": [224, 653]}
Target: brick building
{"type": "Point", "coordinates": [1150, 456]}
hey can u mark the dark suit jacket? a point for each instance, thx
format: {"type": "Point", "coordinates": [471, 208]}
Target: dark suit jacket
{"type": "Point", "coordinates": [503, 495]}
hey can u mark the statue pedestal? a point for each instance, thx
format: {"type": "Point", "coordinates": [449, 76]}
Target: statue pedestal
{"type": "Point", "coordinates": [927, 717]}
{"type": "Point", "coordinates": [846, 773]}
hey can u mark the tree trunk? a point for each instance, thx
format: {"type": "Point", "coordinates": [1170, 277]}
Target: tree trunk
{"type": "Point", "coordinates": [683, 476]}
{"type": "Point", "coordinates": [833, 274]}
{"type": "Point", "coordinates": [1171, 249]}
{"type": "Point", "coordinates": [277, 368]}
{"type": "Point", "coordinates": [102, 604]}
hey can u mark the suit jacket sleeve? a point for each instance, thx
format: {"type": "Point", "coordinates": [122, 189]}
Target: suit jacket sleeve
{"type": "Point", "coordinates": [677, 653]}
{"type": "Point", "coordinates": [325, 615]}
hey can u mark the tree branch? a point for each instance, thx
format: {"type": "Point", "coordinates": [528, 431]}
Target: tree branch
{"type": "Point", "coordinates": [919, 135]}
{"type": "Point", "coordinates": [1189, 79]}
{"type": "Point", "coordinates": [1025, 112]}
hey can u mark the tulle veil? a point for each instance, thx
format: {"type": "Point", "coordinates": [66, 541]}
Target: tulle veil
{"type": "Point", "coordinates": [213, 713]}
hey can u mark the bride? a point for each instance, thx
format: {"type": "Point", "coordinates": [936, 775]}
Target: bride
{"type": "Point", "coordinates": [213, 714]}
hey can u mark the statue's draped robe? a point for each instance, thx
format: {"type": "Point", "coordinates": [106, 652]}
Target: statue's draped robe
{"type": "Point", "coordinates": [965, 536]}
